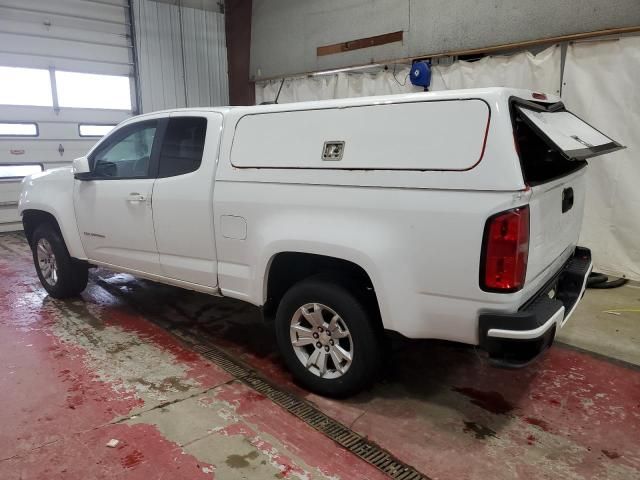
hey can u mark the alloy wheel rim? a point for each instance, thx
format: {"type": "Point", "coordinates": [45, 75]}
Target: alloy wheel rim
{"type": "Point", "coordinates": [47, 262]}
{"type": "Point", "coordinates": [321, 340]}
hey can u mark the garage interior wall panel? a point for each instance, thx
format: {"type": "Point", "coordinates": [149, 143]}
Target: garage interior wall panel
{"type": "Point", "coordinates": [601, 80]}
{"type": "Point", "coordinates": [286, 33]}
{"type": "Point", "coordinates": [86, 36]}
{"type": "Point", "coordinates": [182, 55]}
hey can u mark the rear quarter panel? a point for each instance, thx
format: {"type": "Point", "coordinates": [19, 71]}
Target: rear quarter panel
{"type": "Point", "coordinates": [421, 248]}
{"type": "Point", "coordinates": [418, 234]}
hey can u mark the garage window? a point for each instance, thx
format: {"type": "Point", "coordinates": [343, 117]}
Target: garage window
{"type": "Point", "coordinates": [17, 171]}
{"type": "Point", "coordinates": [87, 130]}
{"type": "Point", "coordinates": [25, 86]}
{"type": "Point", "coordinates": [18, 129]}
{"type": "Point", "coordinates": [87, 90]}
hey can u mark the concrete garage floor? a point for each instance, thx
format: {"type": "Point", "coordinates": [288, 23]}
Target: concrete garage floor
{"type": "Point", "coordinates": [111, 365]}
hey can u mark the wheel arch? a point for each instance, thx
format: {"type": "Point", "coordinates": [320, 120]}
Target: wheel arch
{"type": "Point", "coordinates": [32, 218]}
{"type": "Point", "coordinates": [286, 268]}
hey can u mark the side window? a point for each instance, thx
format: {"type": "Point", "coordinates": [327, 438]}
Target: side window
{"type": "Point", "coordinates": [182, 146]}
{"type": "Point", "coordinates": [128, 154]}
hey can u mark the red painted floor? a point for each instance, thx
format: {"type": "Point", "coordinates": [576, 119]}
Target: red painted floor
{"type": "Point", "coordinates": [569, 416]}
{"type": "Point", "coordinates": [72, 380]}
{"type": "Point", "coordinates": [76, 374]}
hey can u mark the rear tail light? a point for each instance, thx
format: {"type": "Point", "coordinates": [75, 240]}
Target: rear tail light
{"type": "Point", "coordinates": [505, 251]}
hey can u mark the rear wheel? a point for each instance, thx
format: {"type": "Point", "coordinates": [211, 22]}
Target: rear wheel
{"type": "Point", "coordinates": [327, 338]}
{"type": "Point", "coordinates": [61, 275]}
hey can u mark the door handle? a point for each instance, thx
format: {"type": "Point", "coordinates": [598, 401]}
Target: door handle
{"type": "Point", "coordinates": [135, 197]}
{"type": "Point", "coordinates": [567, 199]}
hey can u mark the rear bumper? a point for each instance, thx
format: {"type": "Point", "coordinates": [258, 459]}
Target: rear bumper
{"type": "Point", "coordinates": [517, 339]}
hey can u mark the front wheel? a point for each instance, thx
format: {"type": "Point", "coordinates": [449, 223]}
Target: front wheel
{"type": "Point", "coordinates": [327, 338]}
{"type": "Point", "coordinates": [61, 275]}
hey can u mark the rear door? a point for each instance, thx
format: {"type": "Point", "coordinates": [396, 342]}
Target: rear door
{"type": "Point", "coordinates": [553, 145]}
{"type": "Point", "coordinates": [183, 198]}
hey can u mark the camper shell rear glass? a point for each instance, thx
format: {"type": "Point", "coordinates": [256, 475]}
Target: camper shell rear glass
{"type": "Point", "coordinates": [553, 142]}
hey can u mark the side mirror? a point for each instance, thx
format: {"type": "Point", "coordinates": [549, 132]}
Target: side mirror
{"type": "Point", "coordinates": [80, 168]}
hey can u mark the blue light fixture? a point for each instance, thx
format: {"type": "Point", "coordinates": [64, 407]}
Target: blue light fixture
{"type": "Point", "coordinates": [421, 74]}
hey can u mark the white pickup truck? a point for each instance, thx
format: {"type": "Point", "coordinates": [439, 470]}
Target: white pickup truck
{"type": "Point", "coordinates": [450, 215]}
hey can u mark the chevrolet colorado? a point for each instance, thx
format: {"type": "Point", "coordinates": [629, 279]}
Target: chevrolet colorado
{"type": "Point", "coordinates": [449, 215]}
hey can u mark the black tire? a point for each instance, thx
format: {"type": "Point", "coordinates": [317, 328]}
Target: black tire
{"type": "Point", "coordinates": [72, 274]}
{"type": "Point", "coordinates": [366, 337]}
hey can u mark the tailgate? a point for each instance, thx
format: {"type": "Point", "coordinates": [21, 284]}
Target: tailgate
{"type": "Point", "coordinates": [555, 211]}
{"type": "Point", "coordinates": [553, 145]}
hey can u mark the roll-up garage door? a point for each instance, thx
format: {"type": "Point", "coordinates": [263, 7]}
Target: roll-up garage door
{"type": "Point", "coordinates": [66, 77]}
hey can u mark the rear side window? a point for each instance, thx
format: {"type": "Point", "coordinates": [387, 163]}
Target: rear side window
{"type": "Point", "coordinates": [182, 146]}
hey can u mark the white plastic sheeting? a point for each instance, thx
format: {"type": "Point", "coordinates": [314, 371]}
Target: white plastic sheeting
{"type": "Point", "coordinates": [601, 87]}
{"type": "Point", "coordinates": [539, 72]}
{"type": "Point", "coordinates": [524, 70]}
{"type": "Point", "coordinates": [339, 85]}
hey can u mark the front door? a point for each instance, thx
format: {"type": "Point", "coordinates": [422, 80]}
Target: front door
{"type": "Point", "coordinates": [113, 206]}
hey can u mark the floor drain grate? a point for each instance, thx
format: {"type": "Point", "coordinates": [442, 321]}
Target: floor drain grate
{"type": "Point", "coordinates": [305, 411]}
{"type": "Point", "coordinates": [356, 444]}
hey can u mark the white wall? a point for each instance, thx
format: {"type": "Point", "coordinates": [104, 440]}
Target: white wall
{"type": "Point", "coordinates": [601, 86]}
